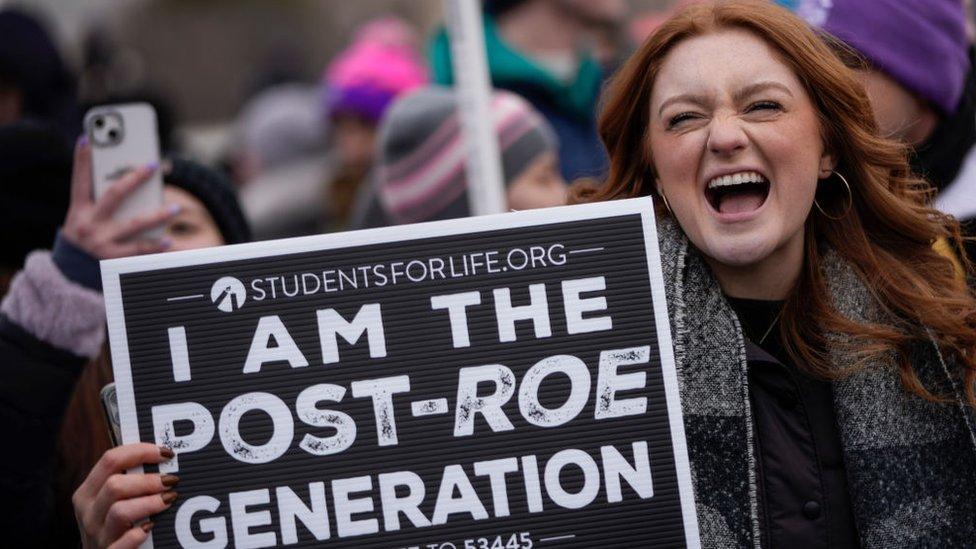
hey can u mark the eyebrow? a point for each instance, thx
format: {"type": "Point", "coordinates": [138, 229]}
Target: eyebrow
{"type": "Point", "coordinates": [685, 97]}
{"type": "Point", "coordinates": [738, 96]}
{"type": "Point", "coordinates": [190, 209]}
{"type": "Point", "coordinates": [751, 89]}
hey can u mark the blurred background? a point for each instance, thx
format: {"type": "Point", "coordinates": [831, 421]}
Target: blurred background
{"type": "Point", "coordinates": [205, 58]}
{"type": "Point", "coordinates": [286, 98]}
{"type": "Point", "coordinates": [292, 100]}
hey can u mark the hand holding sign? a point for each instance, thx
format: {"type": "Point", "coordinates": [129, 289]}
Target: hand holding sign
{"type": "Point", "coordinates": [111, 505]}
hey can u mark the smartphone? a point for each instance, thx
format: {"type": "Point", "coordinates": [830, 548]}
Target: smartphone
{"type": "Point", "coordinates": [110, 404]}
{"type": "Point", "coordinates": [124, 137]}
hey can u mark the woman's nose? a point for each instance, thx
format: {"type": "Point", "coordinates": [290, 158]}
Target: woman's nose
{"type": "Point", "coordinates": [726, 136]}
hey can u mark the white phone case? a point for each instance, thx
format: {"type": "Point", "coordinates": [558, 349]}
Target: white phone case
{"type": "Point", "coordinates": [124, 137]}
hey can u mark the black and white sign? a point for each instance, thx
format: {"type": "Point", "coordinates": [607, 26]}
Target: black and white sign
{"type": "Point", "coordinates": [497, 382]}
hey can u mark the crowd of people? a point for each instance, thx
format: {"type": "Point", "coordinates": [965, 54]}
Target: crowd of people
{"type": "Point", "coordinates": [814, 174]}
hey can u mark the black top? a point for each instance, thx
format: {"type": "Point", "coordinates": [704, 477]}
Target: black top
{"type": "Point", "coordinates": [802, 487]}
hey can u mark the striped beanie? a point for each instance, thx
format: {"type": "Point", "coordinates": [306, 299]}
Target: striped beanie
{"type": "Point", "coordinates": [422, 157]}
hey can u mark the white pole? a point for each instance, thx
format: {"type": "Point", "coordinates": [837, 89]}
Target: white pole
{"type": "Point", "coordinates": [486, 194]}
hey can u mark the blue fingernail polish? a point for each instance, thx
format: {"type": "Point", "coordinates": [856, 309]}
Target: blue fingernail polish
{"type": "Point", "coordinates": [152, 166]}
{"type": "Point", "coordinates": [166, 243]}
{"type": "Point", "coordinates": [175, 209]}
{"type": "Point", "coordinates": [82, 140]}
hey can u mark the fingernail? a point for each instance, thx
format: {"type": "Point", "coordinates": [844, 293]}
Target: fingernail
{"type": "Point", "coordinates": [152, 166]}
{"type": "Point", "coordinates": [169, 497]}
{"type": "Point", "coordinates": [147, 526]}
{"type": "Point", "coordinates": [175, 209]}
{"type": "Point", "coordinates": [166, 452]}
{"type": "Point", "coordinates": [169, 480]}
{"type": "Point", "coordinates": [82, 140]}
{"type": "Point", "coordinates": [165, 243]}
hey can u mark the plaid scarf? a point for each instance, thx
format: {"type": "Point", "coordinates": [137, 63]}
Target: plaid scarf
{"type": "Point", "coordinates": [911, 464]}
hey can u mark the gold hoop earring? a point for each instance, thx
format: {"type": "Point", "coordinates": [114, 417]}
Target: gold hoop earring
{"type": "Point", "coordinates": [665, 199]}
{"type": "Point", "coordinates": [850, 200]}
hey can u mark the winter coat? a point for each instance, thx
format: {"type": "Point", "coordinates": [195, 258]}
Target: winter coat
{"type": "Point", "coordinates": [911, 464]}
{"type": "Point", "coordinates": [50, 327]}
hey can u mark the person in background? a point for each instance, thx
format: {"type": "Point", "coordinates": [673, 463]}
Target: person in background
{"type": "Point", "coordinates": [277, 127]}
{"type": "Point", "coordinates": [38, 113]}
{"type": "Point", "coordinates": [542, 50]}
{"type": "Point", "coordinates": [421, 174]}
{"type": "Point", "coordinates": [381, 63]}
{"type": "Point", "coordinates": [35, 84]}
{"type": "Point", "coordinates": [920, 79]}
{"type": "Point", "coordinates": [52, 332]}
{"type": "Point", "coordinates": [35, 173]}
{"type": "Point", "coordinates": [280, 161]}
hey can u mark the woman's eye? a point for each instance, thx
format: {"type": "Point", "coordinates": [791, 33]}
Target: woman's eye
{"type": "Point", "coordinates": [679, 118]}
{"type": "Point", "coordinates": [182, 228]}
{"type": "Point", "coordinates": [764, 106]}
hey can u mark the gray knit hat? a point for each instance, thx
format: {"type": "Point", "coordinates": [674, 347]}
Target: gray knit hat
{"type": "Point", "coordinates": [421, 172]}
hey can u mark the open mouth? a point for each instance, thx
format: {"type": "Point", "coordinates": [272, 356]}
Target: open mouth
{"type": "Point", "coordinates": [737, 193]}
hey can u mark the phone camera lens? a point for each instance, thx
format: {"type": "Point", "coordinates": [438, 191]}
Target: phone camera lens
{"type": "Point", "coordinates": [99, 122]}
{"type": "Point", "coordinates": [113, 134]}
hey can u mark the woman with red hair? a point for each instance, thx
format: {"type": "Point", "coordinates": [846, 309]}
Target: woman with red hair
{"type": "Point", "coordinates": [826, 352]}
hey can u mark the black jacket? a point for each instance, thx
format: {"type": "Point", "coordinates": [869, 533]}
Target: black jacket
{"type": "Point", "coordinates": [36, 382]}
{"type": "Point", "coordinates": [51, 325]}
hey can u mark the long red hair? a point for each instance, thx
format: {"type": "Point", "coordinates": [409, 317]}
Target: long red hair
{"type": "Point", "coordinates": [887, 232]}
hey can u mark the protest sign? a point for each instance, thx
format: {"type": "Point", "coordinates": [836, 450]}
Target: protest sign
{"type": "Point", "coordinates": [504, 381]}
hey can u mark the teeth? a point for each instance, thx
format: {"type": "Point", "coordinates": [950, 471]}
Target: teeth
{"type": "Point", "coordinates": [736, 179]}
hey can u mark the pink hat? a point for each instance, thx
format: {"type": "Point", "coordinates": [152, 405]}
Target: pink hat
{"type": "Point", "coordinates": [381, 63]}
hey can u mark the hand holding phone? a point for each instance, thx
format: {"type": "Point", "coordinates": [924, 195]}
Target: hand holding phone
{"type": "Point", "coordinates": [120, 222]}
